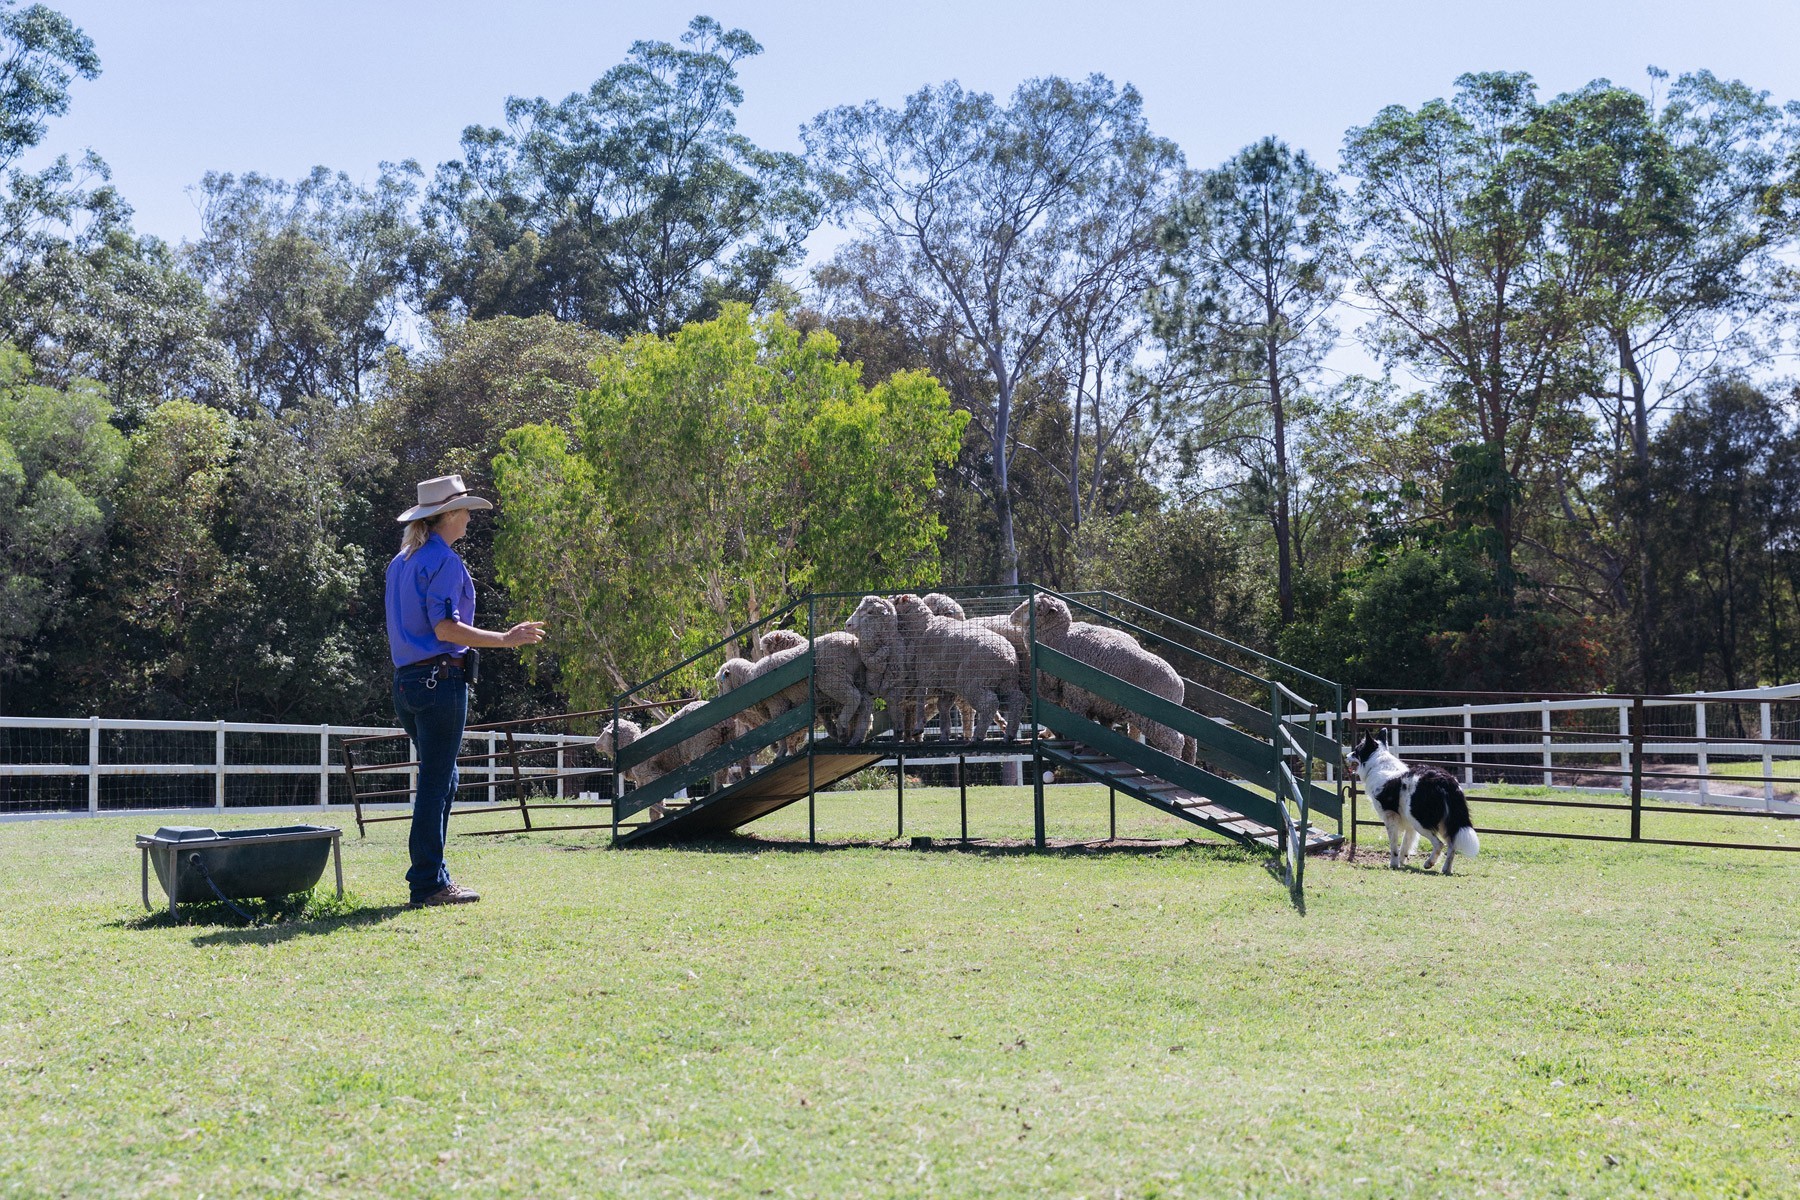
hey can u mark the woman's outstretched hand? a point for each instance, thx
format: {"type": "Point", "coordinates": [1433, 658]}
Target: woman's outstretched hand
{"type": "Point", "coordinates": [525, 633]}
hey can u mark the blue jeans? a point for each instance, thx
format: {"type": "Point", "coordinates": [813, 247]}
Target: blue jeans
{"type": "Point", "coordinates": [432, 704]}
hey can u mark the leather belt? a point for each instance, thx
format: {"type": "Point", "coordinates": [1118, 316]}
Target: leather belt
{"type": "Point", "coordinates": [440, 660]}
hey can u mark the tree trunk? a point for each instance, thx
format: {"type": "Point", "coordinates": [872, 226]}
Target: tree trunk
{"type": "Point", "coordinates": [1649, 605]}
{"type": "Point", "coordinates": [1003, 506]}
{"type": "Point", "coordinates": [1284, 577]}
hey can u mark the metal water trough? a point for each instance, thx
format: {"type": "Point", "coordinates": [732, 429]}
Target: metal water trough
{"type": "Point", "coordinates": [242, 863]}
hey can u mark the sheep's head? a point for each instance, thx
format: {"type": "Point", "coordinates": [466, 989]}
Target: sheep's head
{"type": "Point", "coordinates": [912, 614]}
{"type": "Point", "coordinates": [734, 674]}
{"type": "Point", "coordinates": [873, 620]}
{"type": "Point", "coordinates": [944, 606]}
{"type": "Point", "coordinates": [1052, 618]}
{"type": "Point", "coordinates": [617, 735]}
{"type": "Point", "coordinates": [779, 639]}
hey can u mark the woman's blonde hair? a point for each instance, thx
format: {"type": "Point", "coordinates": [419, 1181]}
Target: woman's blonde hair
{"type": "Point", "coordinates": [415, 536]}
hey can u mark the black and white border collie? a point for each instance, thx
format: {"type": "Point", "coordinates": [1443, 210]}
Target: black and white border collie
{"type": "Point", "coordinates": [1414, 801]}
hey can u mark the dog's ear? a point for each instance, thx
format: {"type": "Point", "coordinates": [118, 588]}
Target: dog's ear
{"type": "Point", "coordinates": [1368, 746]}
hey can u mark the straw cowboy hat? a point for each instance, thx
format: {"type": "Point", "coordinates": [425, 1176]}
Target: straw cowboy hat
{"type": "Point", "coordinates": [444, 494]}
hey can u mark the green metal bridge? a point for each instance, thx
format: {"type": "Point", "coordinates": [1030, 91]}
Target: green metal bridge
{"type": "Point", "coordinates": [1262, 730]}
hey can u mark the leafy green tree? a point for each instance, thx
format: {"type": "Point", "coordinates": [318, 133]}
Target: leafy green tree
{"type": "Point", "coordinates": [716, 474]}
{"type": "Point", "coordinates": [121, 310]}
{"type": "Point", "coordinates": [170, 579]}
{"type": "Point", "coordinates": [60, 459]}
{"type": "Point", "coordinates": [633, 206]}
{"type": "Point", "coordinates": [1713, 495]}
{"type": "Point", "coordinates": [1255, 267]}
{"type": "Point", "coordinates": [305, 278]}
{"type": "Point", "coordinates": [1472, 287]}
{"type": "Point", "coordinates": [1669, 203]}
{"type": "Point", "coordinates": [445, 410]}
{"type": "Point", "coordinates": [982, 228]}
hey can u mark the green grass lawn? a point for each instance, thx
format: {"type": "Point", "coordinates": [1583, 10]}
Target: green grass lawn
{"type": "Point", "coordinates": [759, 1018]}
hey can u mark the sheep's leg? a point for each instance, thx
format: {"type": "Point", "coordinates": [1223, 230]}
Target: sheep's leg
{"type": "Point", "coordinates": [1015, 715]}
{"type": "Point", "coordinates": [986, 705]}
{"type": "Point", "coordinates": [946, 704]}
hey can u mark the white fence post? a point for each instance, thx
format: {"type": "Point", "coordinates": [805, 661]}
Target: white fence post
{"type": "Point", "coordinates": [1700, 748]}
{"type": "Point", "coordinates": [1768, 759]}
{"type": "Point", "coordinates": [1468, 746]}
{"type": "Point", "coordinates": [93, 764]}
{"type": "Point", "coordinates": [1625, 748]}
{"type": "Point", "coordinates": [1548, 778]}
{"type": "Point", "coordinates": [489, 761]}
{"type": "Point", "coordinates": [219, 766]}
{"type": "Point", "coordinates": [324, 766]}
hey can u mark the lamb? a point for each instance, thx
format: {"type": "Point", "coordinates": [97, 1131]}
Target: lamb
{"type": "Point", "coordinates": [839, 681]}
{"type": "Point", "coordinates": [953, 658]}
{"type": "Point", "coordinates": [1117, 653]}
{"type": "Point", "coordinates": [623, 732]}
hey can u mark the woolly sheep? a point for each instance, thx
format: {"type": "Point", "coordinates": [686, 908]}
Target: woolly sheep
{"type": "Point", "coordinates": [622, 733]}
{"type": "Point", "coordinates": [951, 658]}
{"type": "Point", "coordinates": [944, 606]}
{"type": "Point", "coordinates": [1117, 653]}
{"type": "Point", "coordinates": [838, 681]}
{"type": "Point", "coordinates": [888, 671]}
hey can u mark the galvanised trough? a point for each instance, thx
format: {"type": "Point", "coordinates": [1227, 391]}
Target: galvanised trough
{"type": "Point", "coordinates": [241, 863]}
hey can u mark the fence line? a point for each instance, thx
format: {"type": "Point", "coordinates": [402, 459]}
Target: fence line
{"type": "Point", "coordinates": [1565, 738]}
{"type": "Point", "coordinates": [51, 765]}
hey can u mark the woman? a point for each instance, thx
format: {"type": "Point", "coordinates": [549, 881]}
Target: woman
{"type": "Point", "coordinates": [431, 626]}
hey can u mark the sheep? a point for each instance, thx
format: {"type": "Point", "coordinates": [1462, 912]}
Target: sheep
{"type": "Point", "coordinates": [623, 732]}
{"type": "Point", "coordinates": [1001, 624]}
{"type": "Point", "coordinates": [953, 658]}
{"type": "Point", "coordinates": [1115, 652]}
{"type": "Point", "coordinates": [838, 681]}
{"type": "Point", "coordinates": [778, 639]}
{"type": "Point", "coordinates": [877, 633]}
{"type": "Point", "coordinates": [944, 606]}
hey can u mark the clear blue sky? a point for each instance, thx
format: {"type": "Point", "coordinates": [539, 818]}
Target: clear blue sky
{"type": "Point", "coordinates": [279, 85]}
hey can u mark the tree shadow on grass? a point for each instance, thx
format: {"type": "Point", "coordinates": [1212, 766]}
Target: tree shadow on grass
{"type": "Point", "coordinates": [278, 920]}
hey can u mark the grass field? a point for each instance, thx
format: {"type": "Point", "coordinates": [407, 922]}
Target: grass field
{"type": "Point", "coordinates": [759, 1018]}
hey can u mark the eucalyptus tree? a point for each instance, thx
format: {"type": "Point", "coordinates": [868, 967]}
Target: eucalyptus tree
{"type": "Point", "coordinates": [304, 278]}
{"type": "Point", "coordinates": [1670, 204]}
{"type": "Point", "coordinates": [1255, 265]}
{"type": "Point", "coordinates": [633, 206]}
{"type": "Point", "coordinates": [976, 227]}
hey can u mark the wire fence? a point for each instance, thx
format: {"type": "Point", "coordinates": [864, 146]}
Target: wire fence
{"type": "Point", "coordinates": [1666, 758]}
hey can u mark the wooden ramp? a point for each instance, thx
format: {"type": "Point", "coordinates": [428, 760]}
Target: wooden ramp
{"type": "Point", "coordinates": [1179, 801]}
{"type": "Point", "coordinates": [775, 786]}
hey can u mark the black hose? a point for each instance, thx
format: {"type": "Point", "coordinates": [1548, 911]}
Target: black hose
{"type": "Point", "coordinates": [199, 864]}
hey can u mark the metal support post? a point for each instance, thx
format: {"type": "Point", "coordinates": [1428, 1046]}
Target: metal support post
{"type": "Point", "coordinates": [900, 794]}
{"type": "Point", "coordinates": [812, 707]}
{"type": "Point", "coordinates": [1549, 778]}
{"type": "Point", "coordinates": [1468, 747]}
{"type": "Point", "coordinates": [1637, 768]}
{"type": "Point", "coordinates": [962, 786]}
{"type": "Point", "coordinates": [1112, 815]}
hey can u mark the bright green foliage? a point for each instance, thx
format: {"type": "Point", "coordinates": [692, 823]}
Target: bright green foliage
{"type": "Point", "coordinates": [717, 474]}
{"type": "Point", "coordinates": [59, 459]}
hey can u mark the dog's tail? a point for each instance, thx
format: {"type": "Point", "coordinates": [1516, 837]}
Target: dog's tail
{"type": "Point", "coordinates": [1465, 842]}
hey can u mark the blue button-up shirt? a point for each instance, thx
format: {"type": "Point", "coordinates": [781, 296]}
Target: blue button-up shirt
{"type": "Point", "coordinates": [422, 590]}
